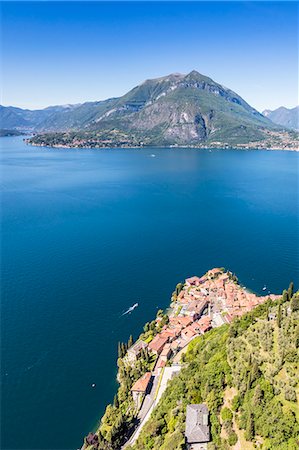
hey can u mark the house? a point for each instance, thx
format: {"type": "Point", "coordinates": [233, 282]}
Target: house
{"type": "Point", "coordinates": [228, 318]}
{"type": "Point", "coordinates": [204, 324]}
{"type": "Point", "coordinates": [141, 387]}
{"type": "Point", "coordinates": [92, 439]}
{"type": "Point", "coordinates": [166, 353]}
{"type": "Point", "coordinates": [197, 307]}
{"type": "Point", "coordinates": [157, 344]}
{"type": "Point", "coordinates": [135, 350]}
{"type": "Point", "coordinates": [160, 363]}
{"type": "Point", "coordinates": [195, 326]}
{"type": "Point", "coordinates": [197, 431]}
{"type": "Point", "coordinates": [214, 272]}
{"type": "Point", "coordinates": [188, 333]}
{"type": "Point", "coordinates": [168, 333]}
{"type": "Point", "coordinates": [192, 281]}
{"type": "Point", "coordinates": [185, 321]}
{"type": "Point", "coordinates": [175, 346]}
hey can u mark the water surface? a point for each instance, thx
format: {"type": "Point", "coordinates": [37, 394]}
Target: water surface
{"type": "Point", "coordinates": [88, 233]}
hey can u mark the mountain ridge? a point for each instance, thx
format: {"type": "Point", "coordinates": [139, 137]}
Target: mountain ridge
{"type": "Point", "coordinates": [173, 110]}
{"type": "Point", "coordinates": [286, 117]}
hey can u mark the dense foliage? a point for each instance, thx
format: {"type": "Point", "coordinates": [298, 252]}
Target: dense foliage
{"type": "Point", "coordinates": [119, 418]}
{"type": "Point", "coordinates": [247, 374]}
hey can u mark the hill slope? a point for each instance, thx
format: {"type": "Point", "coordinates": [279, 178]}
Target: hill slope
{"type": "Point", "coordinates": [285, 117]}
{"type": "Point", "coordinates": [246, 371]}
{"type": "Point", "coordinates": [26, 119]}
{"type": "Point", "coordinates": [247, 374]}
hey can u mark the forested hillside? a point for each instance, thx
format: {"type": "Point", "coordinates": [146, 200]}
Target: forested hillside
{"type": "Point", "coordinates": [247, 373]}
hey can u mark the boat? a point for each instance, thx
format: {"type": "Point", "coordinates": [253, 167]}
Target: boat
{"type": "Point", "coordinates": [131, 309]}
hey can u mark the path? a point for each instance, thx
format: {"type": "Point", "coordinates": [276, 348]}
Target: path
{"type": "Point", "coordinates": [153, 400]}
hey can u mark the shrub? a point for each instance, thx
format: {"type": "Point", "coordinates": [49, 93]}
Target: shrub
{"type": "Point", "coordinates": [236, 402]}
{"type": "Point", "coordinates": [290, 394]}
{"type": "Point", "coordinates": [226, 415]}
{"type": "Point", "coordinates": [232, 438]}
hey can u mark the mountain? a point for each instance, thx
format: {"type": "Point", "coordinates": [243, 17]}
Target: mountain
{"type": "Point", "coordinates": [176, 109]}
{"type": "Point", "coordinates": [26, 119]}
{"type": "Point", "coordinates": [283, 116]}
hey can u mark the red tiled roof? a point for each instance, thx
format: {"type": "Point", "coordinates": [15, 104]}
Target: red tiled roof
{"type": "Point", "coordinates": [168, 333]}
{"type": "Point", "coordinates": [142, 384]}
{"type": "Point", "coordinates": [193, 280]}
{"type": "Point", "coordinates": [161, 363]}
{"type": "Point", "coordinates": [204, 323]}
{"type": "Point", "coordinates": [185, 321]}
{"type": "Point", "coordinates": [157, 343]}
{"type": "Point", "coordinates": [166, 350]}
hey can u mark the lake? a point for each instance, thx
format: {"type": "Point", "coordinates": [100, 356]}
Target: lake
{"type": "Point", "coordinates": [88, 233]}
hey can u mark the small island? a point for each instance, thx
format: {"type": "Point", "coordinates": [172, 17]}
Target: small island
{"type": "Point", "coordinates": [190, 379]}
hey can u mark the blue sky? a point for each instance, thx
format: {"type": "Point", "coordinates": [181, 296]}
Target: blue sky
{"type": "Point", "coordinates": [64, 52]}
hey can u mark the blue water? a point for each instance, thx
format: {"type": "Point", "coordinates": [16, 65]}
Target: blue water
{"type": "Point", "coordinates": [88, 233]}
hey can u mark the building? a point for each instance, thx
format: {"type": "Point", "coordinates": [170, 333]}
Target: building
{"type": "Point", "coordinates": [135, 350]}
{"type": "Point", "coordinates": [175, 346]}
{"type": "Point", "coordinates": [192, 281]}
{"type": "Point", "coordinates": [166, 353]}
{"type": "Point", "coordinates": [197, 432]}
{"type": "Point", "coordinates": [160, 363]}
{"type": "Point", "coordinates": [169, 333]}
{"type": "Point", "coordinates": [204, 324]}
{"type": "Point", "coordinates": [141, 387]}
{"type": "Point", "coordinates": [197, 307]}
{"type": "Point", "coordinates": [214, 272]}
{"type": "Point", "coordinates": [92, 439]}
{"type": "Point", "coordinates": [185, 321]}
{"type": "Point", "coordinates": [157, 344]}
{"type": "Point", "coordinates": [188, 333]}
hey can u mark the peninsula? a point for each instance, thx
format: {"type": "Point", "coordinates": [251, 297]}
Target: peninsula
{"type": "Point", "coordinates": [193, 376]}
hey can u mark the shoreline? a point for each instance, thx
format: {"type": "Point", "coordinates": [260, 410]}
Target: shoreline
{"type": "Point", "coordinates": [197, 305]}
{"type": "Point", "coordinates": [170, 147]}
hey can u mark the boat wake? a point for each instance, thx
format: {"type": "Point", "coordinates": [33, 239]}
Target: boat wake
{"type": "Point", "coordinates": [130, 309]}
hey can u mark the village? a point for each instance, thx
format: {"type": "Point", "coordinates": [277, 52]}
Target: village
{"type": "Point", "coordinates": [198, 305]}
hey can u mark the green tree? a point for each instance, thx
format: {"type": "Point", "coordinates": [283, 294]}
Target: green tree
{"type": "Point", "coordinates": [178, 288]}
{"type": "Point", "coordinates": [232, 438]}
{"type": "Point", "coordinates": [258, 396]}
{"type": "Point", "coordinates": [236, 402]}
{"type": "Point", "coordinates": [130, 341]}
{"type": "Point", "coordinates": [115, 401]}
{"type": "Point", "coordinates": [291, 290]}
{"type": "Point", "coordinates": [278, 318]}
{"type": "Point", "coordinates": [160, 313]}
{"type": "Point", "coordinates": [295, 302]}
{"type": "Point", "coordinates": [226, 414]}
{"type": "Point", "coordinates": [249, 433]}
{"type": "Point", "coordinates": [285, 296]}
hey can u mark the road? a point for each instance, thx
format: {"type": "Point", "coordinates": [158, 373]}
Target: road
{"type": "Point", "coordinates": [152, 399]}
{"type": "Point", "coordinates": [148, 400]}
